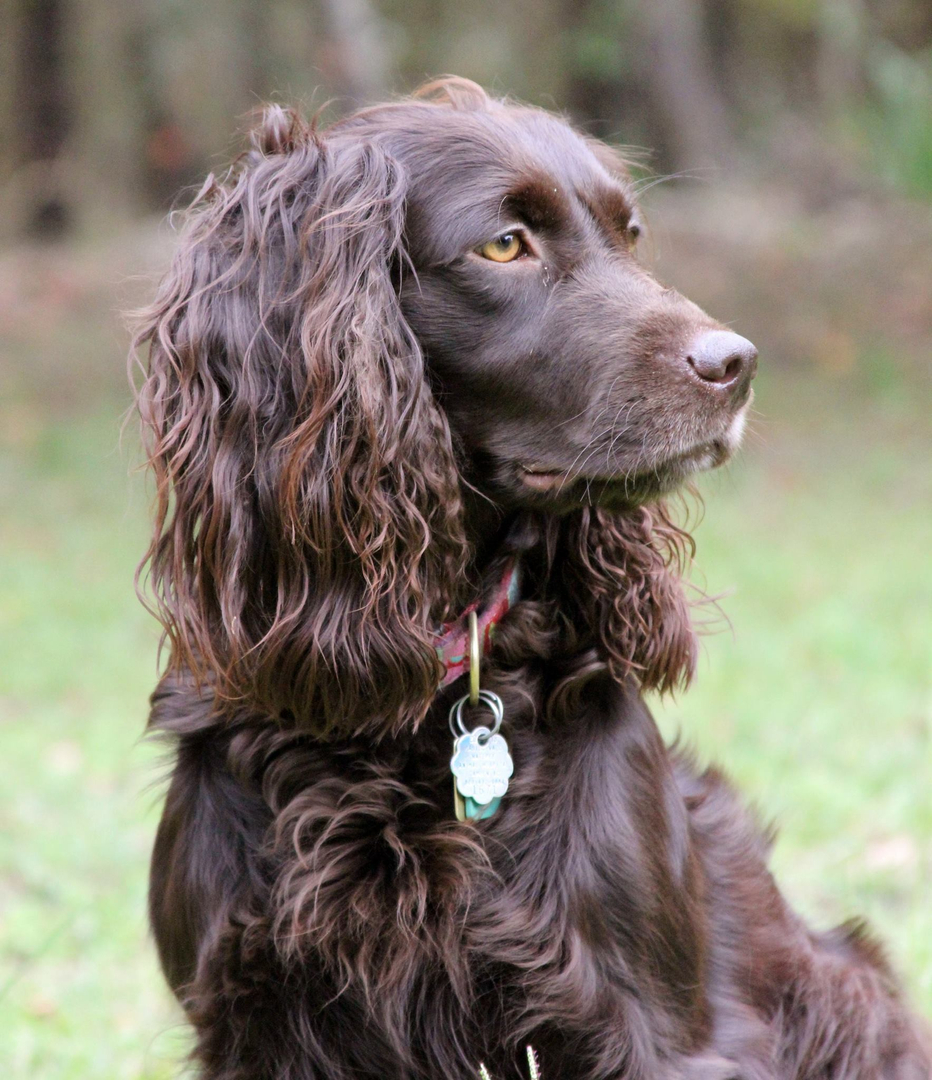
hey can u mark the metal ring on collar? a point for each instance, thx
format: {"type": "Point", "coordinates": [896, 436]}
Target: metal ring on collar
{"type": "Point", "coordinates": [475, 658]}
{"type": "Point", "coordinates": [486, 697]}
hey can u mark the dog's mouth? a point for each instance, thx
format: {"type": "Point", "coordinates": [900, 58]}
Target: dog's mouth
{"type": "Point", "coordinates": [642, 482]}
{"type": "Point", "coordinates": [540, 479]}
{"type": "Point", "coordinates": [657, 479]}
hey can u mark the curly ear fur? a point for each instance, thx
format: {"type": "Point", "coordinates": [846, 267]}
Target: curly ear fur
{"type": "Point", "coordinates": [308, 520]}
{"type": "Point", "coordinates": [308, 531]}
{"type": "Point", "coordinates": [623, 578]}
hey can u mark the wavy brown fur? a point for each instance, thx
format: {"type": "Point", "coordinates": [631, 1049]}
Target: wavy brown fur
{"type": "Point", "coordinates": [625, 578]}
{"type": "Point", "coordinates": [305, 548]}
{"type": "Point", "coordinates": [351, 418]}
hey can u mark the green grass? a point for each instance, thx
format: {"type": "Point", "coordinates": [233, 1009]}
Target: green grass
{"type": "Point", "coordinates": [817, 700]}
{"type": "Point", "coordinates": [81, 993]}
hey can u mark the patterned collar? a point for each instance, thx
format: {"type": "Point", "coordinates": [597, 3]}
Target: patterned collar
{"type": "Point", "coordinates": [453, 639]}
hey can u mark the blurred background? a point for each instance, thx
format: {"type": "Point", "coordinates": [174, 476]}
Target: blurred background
{"type": "Point", "coordinates": [788, 191]}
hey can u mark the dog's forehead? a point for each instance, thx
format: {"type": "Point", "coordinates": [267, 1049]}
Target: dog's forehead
{"type": "Point", "coordinates": [465, 166]}
{"type": "Point", "coordinates": [581, 163]}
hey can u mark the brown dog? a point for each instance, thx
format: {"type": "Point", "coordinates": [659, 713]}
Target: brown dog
{"type": "Point", "coordinates": [394, 366]}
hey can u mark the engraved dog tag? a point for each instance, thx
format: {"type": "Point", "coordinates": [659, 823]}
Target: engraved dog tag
{"type": "Point", "coordinates": [481, 765]}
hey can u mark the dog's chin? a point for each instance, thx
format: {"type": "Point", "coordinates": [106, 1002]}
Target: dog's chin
{"type": "Point", "coordinates": [566, 490]}
{"type": "Point", "coordinates": [561, 492]}
{"type": "Point", "coordinates": [516, 484]}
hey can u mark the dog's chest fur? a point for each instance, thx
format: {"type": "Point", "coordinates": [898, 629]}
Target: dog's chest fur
{"type": "Point", "coordinates": [581, 899]}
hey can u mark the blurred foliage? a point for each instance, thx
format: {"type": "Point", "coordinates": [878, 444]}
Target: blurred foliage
{"type": "Point", "coordinates": [897, 123]}
{"type": "Point", "coordinates": [109, 107]}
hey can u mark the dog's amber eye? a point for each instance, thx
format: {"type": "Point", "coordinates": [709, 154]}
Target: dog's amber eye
{"type": "Point", "coordinates": [504, 248]}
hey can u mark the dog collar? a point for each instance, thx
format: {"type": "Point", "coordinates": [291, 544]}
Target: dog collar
{"type": "Point", "coordinates": [453, 639]}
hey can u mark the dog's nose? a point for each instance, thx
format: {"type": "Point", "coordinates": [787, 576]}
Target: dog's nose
{"type": "Point", "coordinates": [722, 358]}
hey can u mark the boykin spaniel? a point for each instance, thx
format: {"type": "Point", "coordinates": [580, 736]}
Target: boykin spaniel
{"type": "Point", "coordinates": [412, 407]}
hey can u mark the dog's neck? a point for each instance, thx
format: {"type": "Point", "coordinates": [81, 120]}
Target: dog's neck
{"type": "Point", "coordinates": [486, 525]}
{"type": "Point", "coordinates": [613, 575]}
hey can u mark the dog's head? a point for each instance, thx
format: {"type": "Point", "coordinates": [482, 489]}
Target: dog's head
{"type": "Point", "coordinates": [432, 292]}
{"type": "Point", "coordinates": [567, 371]}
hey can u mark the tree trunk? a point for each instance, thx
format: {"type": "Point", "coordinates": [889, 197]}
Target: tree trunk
{"type": "Point", "coordinates": [680, 77]}
{"type": "Point", "coordinates": [353, 54]}
{"type": "Point", "coordinates": [11, 16]}
{"type": "Point", "coordinates": [37, 117]}
{"type": "Point", "coordinates": [107, 137]}
{"type": "Point", "coordinates": [841, 60]}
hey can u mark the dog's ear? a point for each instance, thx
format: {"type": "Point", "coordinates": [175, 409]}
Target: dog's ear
{"type": "Point", "coordinates": [308, 529]}
{"type": "Point", "coordinates": [623, 578]}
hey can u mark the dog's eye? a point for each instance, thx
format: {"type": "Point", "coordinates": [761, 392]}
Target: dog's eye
{"type": "Point", "coordinates": [504, 248]}
{"type": "Point", "coordinates": [632, 233]}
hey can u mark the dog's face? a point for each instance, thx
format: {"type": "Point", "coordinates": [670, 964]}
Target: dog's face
{"type": "Point", "coordinates": [568, 373]}
{"type": "Point", "coordinates": [340, 304]}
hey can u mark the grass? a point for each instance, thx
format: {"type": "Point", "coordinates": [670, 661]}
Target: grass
{"type": "Point", "coordinates": [817, 700]}
{"type": "Point", "coordinates": [80, 993]}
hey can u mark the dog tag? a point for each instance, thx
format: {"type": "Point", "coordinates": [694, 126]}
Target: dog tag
{"type": "Point", "coordinates": [481, 765]}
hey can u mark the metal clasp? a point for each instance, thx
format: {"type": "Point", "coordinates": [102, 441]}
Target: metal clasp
{"type": "Point", "coordinates": [475, 658]}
